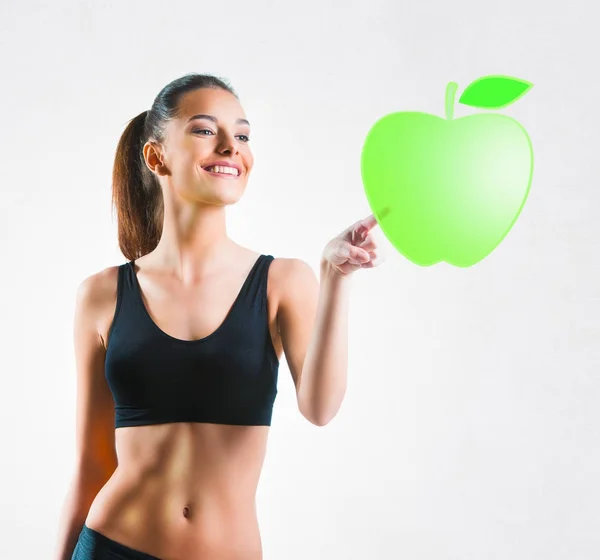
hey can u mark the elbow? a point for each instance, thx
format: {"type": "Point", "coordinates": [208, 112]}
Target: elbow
{"type": "Point", "coordinates": [316, 420]}
{"type": "Point", "coordinates": [319, 418]}
{"type": "Point", "coordinates": [318, 423]}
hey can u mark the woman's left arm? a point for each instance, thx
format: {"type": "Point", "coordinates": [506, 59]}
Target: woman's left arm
{"type": "Point", "coordinates": [313, 320]}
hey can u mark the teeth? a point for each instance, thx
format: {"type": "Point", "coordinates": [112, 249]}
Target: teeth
{"type": "Point", "coordinates": [222, 169]}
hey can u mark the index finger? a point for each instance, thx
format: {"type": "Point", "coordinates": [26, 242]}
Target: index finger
{"type": "Point", "coordinates": [369, 222]}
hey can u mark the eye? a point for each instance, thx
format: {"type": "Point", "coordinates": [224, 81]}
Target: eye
{"type": "Point", "coordinates": [247, 139]}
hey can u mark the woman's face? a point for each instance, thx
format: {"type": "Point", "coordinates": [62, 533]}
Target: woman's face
{"type": "Point", "coordinates": [192, 144]}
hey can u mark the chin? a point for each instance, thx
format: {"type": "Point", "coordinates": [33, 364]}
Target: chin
{"type": "Point", "coordinates": [225, 198]}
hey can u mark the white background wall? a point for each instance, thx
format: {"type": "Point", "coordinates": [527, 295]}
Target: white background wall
{"type": "Point", "coordinates": [470, 425]}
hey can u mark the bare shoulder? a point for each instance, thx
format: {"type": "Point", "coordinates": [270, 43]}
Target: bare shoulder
{"type": "Point", "coordinates": [100, 289]}
{"type": "Point", "coordinates": [284, 267]}
{"type": "Point", "coordinates": [290, 273]}
{"type": "Point", "coordinates": [278, 271]}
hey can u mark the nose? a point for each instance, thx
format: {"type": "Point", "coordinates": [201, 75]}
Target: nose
{"type": "Point", "coordinates": [228, 146]}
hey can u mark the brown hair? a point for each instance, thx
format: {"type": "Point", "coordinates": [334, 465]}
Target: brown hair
{"type": "Point", "coordinates": [136, 192]}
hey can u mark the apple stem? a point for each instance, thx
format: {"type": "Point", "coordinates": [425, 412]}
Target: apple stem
{"type": "Point", "coordinates": [450, 93]}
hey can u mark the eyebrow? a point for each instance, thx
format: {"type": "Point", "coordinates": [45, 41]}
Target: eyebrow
{"type": "Point", "coordinates": [213, 119]}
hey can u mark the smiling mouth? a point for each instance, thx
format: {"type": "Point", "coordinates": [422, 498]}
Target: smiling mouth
{"type": "Point", "coordinates": [219, 172]}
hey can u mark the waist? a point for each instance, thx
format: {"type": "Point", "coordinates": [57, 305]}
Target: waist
{"type": "Point", "coordinates": [175, 520]}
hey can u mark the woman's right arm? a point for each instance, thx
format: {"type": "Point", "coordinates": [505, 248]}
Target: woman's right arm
{"type": "Point", "coordinates": [96, 456]}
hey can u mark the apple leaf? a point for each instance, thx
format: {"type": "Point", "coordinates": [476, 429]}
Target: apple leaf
{"type": "Point", "coordinates": [494, 92]}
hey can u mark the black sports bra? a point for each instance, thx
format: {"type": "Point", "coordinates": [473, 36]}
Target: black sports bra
{"type": "Point", "coordinates": [228, 377]}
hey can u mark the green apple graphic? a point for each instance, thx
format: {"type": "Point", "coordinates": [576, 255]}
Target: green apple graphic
{"type": "Point", "coordinates": [450, 189]}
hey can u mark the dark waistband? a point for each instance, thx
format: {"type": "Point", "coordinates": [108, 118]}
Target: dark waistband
{"type": "Point", "coordinates": [91, 542]}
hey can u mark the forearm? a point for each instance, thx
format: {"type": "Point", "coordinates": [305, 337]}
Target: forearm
{"type": "Point", "coordinates": [324, 372]}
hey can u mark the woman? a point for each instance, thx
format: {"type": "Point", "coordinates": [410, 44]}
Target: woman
{"type": "Point", "coordinates": [178, 349]}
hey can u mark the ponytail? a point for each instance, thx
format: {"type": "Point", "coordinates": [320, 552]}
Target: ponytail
{"type": "Point", "coordinates": [136, 193]}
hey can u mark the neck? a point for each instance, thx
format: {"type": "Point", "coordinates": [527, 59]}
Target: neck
{"type": "Point", "coordinates": [194, 241]}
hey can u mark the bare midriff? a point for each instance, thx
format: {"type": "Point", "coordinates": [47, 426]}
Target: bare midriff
{"type": "Point", "coordinates": [184, 491]}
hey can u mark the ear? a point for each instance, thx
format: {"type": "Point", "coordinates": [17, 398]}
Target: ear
{"type": "Point", "coordinates": [154, 157]}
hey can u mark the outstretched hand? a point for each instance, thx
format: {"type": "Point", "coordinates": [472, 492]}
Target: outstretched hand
{"type": "Point", "coordinates": [354, 248]}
